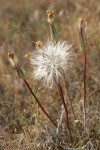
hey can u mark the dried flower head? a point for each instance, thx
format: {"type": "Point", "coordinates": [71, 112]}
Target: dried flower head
{"type": "Point", "coordinates": [12, 58]}
{"type": "Point", "coordinates": [82, 34]}
{"type": "Point", "coordinates": [50, 16]}
{"type": "Point", "coordinates": [14, 63]}
{"type": "Point", "coordinates": [82, 24]}
{"type": "Point", "coordinates": [38, 44]}
{"type": "Point", "coordinates": [51, 61]}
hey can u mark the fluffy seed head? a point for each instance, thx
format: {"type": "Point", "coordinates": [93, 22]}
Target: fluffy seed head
{"type": "Point", "coordinates": [52, 61]}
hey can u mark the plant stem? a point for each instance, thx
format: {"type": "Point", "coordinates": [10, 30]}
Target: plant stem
{"type": "Point", "coordinates": [61, 119]}
{"type": "Point", "coordinates": [67, 90]}
{"type": "Point", "coordinates": [39, 103]}
{"type": "Point", "coordinates": [85, 61]}
{"type": "Point", "coordinates": [84, 46]}
{"type": "Point", "coordinates": [65, 107]}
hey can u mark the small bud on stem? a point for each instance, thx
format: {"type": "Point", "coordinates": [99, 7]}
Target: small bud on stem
{"type": "Point", "coordinates": [50, 20]}
{"type": "Point", "coordinates": [14, 63]}
{"type": "Point", "coordinates": [82, 35]}
{"type": "Point", "coordinates": [50, 16]}
{"type": "Point", "coordinates": [38, 45]}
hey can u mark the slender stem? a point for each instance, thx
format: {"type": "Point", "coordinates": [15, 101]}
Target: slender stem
{"type": "Point", "coordinates": [84, 46]}
{"type": "Point", "coordinates": [39, 103]}
{"type": "Point", "coordinates": [67, 90]}
{"type": "Point", "coordinates": [61, 119]}
{"type": "Point", "coordinates": [85, 61]}
{"type": "Point", "coordinates": [65, 107]}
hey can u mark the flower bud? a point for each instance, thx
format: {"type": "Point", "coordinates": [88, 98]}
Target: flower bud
{"type": "Point", "coordinates": [50, 16]}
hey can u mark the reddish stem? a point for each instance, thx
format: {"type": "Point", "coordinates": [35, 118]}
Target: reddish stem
{"type": "Point", "coordinates": [85, 61]}
{"type": "Point", "coordinates": [39, 103]}
{"type": "Point", "coordinates": [65, 107]}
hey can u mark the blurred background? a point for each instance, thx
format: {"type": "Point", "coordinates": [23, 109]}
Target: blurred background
{"type": "Point", "coordinates": [23, 22]}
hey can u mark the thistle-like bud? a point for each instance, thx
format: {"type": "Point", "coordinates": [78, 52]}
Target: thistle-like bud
{"type": "Point", "coordinates": [82, 35]}
{"type": "Point", "coordinates": [50, 19]}
{"type": "Point", "coordinates": [82, 23]}
{"type": "Point", "coordinates": [50, 16]}
{"type": "Point", "coordinates": [12, 59]}
{"type": "Point", "coordinates": [14, 63]}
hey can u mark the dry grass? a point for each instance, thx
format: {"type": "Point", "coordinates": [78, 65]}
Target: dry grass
{"type": "Point", "coordinates": [22, 124]}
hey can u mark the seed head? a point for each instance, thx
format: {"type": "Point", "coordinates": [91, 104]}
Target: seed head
{"type": "Point", "coordinates": [51, 61]}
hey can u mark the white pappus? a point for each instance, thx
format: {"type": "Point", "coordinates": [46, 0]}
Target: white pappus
{"type": "Point", "coordinates": [51, 61]}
